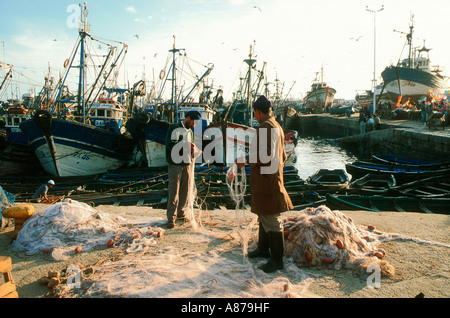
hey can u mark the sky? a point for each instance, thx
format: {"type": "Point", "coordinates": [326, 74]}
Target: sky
{"type": "Point", "coordinates": [296, 38]}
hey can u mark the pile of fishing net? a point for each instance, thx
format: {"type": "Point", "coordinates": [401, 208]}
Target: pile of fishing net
{"type": "Point", "coordinates": [321, 237]}
{"type": "Point", "coordinates": [71, 227]}
{"type": "Point", "coordinates": [6, 200]}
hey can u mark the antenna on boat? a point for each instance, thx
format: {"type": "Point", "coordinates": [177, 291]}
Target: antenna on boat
{"type": "Point", "coordinates": [84, 25]}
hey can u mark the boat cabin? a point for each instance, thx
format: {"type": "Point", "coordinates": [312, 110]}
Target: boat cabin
{"type": "Point", "coordinates": [206, 112]}
{"type": "Point", "coordinates": [107, 114]}
{"type": "Point", "coordinates": [15, 115]}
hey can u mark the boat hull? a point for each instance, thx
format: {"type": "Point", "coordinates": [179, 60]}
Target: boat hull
{"type": "Point", "coordinates": [412, 84]}
{"type": "Point", "coordinates": [379, 203]}
{"type": "Point", "coordinates": [67, 148]}
{"type": "Point", "coordinates": [320, 98]}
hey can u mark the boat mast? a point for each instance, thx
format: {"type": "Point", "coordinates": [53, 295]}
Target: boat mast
{"type": "Point", "coordinates": [84, 29]}
{"type": "Point", "coordinates": [250, 62]}
{"type": "Point", "coordinates": [321, 76]}
{"type": "Point", "coordinates": [410, 41]}
{"type": "Point", "coordinates": [174, 82]}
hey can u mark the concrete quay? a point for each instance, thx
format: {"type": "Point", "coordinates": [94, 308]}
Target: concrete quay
{"type": "Point", "coordinates": [406, 138]}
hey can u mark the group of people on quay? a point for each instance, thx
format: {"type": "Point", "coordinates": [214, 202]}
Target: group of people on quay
{"type": "Point", "coordinates": [370, 119]}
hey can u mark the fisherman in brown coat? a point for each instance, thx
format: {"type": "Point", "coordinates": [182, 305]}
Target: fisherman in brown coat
{"type": "Point", "coordinates": [269, 197]}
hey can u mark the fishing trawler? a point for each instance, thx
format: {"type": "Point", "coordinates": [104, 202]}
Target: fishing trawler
{"type": "Point", "coordinates": [149, 133]}
{"type": "Point", "coordinates": [231, 138]}
{"type": "Point", "coordinates": [320, 97]}
{"type": "Point", "coordinates": [80, 134]}
{"type": "Point", "coordinates": [413, 78]}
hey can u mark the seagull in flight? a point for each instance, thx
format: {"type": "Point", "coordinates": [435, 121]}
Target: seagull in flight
{"type": "Point", "coordinates": [357, 39]}
{"type": "Point", "coordinates": [136, 36]}
{"type": "Point", "coordinates": [256, 7]}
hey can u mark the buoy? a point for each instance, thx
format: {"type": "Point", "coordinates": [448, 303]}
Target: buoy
{"type": "Point", "coordinates": [22, 211]}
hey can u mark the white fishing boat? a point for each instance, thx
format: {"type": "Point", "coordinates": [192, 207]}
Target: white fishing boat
{"type": "Point", "coordinates": [320, 97]}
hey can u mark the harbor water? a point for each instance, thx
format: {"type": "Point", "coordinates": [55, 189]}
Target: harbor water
{"type": "Point", "coordinates": [313, 153]}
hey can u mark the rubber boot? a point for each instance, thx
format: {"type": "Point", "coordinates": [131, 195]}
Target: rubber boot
{"type": "Point", "coordinates": [276, 243]}
{"type": "Point", "coordinates": [263, 244]}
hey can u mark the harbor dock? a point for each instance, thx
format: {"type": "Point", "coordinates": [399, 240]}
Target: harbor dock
{"type": "Point", "coordinates": [407, 138]}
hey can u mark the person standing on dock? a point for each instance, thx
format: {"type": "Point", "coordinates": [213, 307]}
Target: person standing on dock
{"type": "Point", "coordinates": [180, 150]}
{"type": "Point", "coordinates": [41, 193]}
{"type": "Point", "coordinates": [362, 122]}
{"type": "Point", "coordinates": [269, 197]}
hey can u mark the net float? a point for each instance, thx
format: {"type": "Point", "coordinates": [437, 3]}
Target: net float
{"type": "Point", "coordinates": [308, 256]}
{"type": "Point", "coordinates": [371, 227]}
{"type": "Point", "coordinates": [110, 243]}
{"type": "Point", "coordinates": [78, 249]}
{"type": "Point", "coordinates": [328, 260]}
{"type": "Point", "coordinates": [339, 244]}
{"type": "Point", "coordinates": [378, 254]}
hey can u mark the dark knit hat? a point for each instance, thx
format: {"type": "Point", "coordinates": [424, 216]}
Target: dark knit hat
{"type": "Point", "coordinates": [195, 115]}
{"type": "Point", "coordinates": [263, 104]}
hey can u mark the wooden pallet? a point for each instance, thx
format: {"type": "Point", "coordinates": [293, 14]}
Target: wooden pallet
{"type": "Point", "coordinates": [8, 289]}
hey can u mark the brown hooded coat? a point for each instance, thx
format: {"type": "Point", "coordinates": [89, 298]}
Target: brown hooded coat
{"type": "Point", "coordinates": [268, 194]}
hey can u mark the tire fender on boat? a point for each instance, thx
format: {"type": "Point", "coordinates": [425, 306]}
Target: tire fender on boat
{"type": "Point", "coordinates": [142, 118]}
{"type": "Point", "coordinates": [42, 118]}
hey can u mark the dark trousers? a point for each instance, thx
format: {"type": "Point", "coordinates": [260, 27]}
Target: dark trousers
{"type": "Point", "coordinates": [179, 177]}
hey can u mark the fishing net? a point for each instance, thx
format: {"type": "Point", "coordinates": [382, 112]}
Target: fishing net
{"type": "Point", "coordinates": [237, 185]}
{"type": "Point", "coordinates": [322, 237]}
{"type": "Point", "coordinates": [63, 227]}
{"type": "Point", "coordinates": [176, 273]}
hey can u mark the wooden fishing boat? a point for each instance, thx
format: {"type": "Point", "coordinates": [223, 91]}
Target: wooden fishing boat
{"type": "Point", "coordinates": [380, 203]}
{"type": "Point", "coordinates": [156, 199]}
{"type": "Point", "coordinates": [341, 110]}
{"type": "Point", "coordinates": [408, 162]}
{"type": "Point", "coordinates": [332, 180]}
{"type": "Point", "coordinates": [373, 184]}
{"type": "Point", "coordinates": [432, 187]}
{"type": "Point", "coordinates": [359, 169]}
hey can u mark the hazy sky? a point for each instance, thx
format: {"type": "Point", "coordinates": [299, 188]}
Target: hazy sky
{"type": "Point", "coordinates": [294, 37]}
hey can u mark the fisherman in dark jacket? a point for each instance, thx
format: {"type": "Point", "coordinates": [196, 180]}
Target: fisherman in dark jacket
{"type": "Point", "coordinates": [179, 155]}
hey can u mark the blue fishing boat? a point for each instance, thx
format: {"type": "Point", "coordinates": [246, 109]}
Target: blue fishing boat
{"type": "Point", "coordinates": [16, 155]}
{"type": "Point", "coordinates": [401, 173]}
{"type": "Point", "coordinates": [149, 132]}
{"type": "Point", "coordinates": [413, 78]}
{"type": "Point", "coordinates": [79, 135]}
